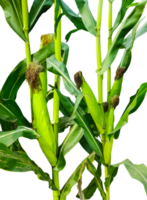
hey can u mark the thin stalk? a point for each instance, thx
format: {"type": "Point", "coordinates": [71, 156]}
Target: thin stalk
{"type": "Point", "coordinates": [27, 44]}
{"type": "Point", "coordinates": [109, 88]}
{"type": "Point", "coordinates": [56, 98]}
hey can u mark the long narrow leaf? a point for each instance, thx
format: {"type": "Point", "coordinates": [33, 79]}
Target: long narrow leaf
{"type": "Point", "coordinates": [133, 105]}
{"type": "Point", "coordinates": [72, 138]}
{"type": "Point", "coordinates": [71, 15]}
{"type": "Point", "coordinates": [87, 16]}
{"type": "Point", "coordinates": [81, 119]}
{"type": "Point", "coordinates": [37, 9]}
{"type": "Point", "coordinates": [98, 180]}
{"type": "Point", "coordinates": [121, 14]}
{"type": "Point", "coordinates": [75, 177]}
{"type": "Point", "coordinates": [127, 25]}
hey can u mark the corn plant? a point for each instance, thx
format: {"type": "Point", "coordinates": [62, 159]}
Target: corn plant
{"type": "Point", "coordinates": [90, 121]}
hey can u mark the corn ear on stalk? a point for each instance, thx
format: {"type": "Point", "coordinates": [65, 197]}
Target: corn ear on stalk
{"type": "Point", "coordinates": [91, 101]}
{"type": "Point", "coordinates": [41, 116]}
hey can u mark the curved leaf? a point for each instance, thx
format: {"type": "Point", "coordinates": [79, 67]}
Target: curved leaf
{"type": "Point", "coordinates": [127, 25]}
{"type": "Point", "coordinates": [37, 9]}
{"type": "Point", "coordinates": [72, 138]}
{"type": "Point", "coordinates": [75, 177]}
{"type": "Point", "coordinates": [19, 161]}
{"type": "Point", "coordinates": [9, 137]}
{"type": "Point", "coordinates": [129, 42]}
{"type": "Point", "coordinates": [64, 122]}
{"type": "Point", "coordinates": [138, 172]}
{"type": "Point", "coordinates": [9, 111]}
{"type": "Point", "coordinates": [13, 14]}
{"type": "Point", "coordinates": [87, 16]}
{"type": "Point", "coordinates": [121, 14]}
{"type": "Point", "coordinates": [72, 16]}
{"type": "Point", "coordinates": [89, 190]}
{"type": "Point", "coordinates": [81, 119]}
{"type": "Point", "coordinates": [91, 168]}
{"type": "Point", "coordinates": [59, 68]}
{"type": "Point", "coordinates": [133, 105]}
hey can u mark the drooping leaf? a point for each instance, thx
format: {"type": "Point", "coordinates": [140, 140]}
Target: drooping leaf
{"type": "Point", "coordinates": [19, 161]}
{"type": "Point", "coordinates": [68, 35]}
{"type": "Point", "coordinates": [72, 138]}
{"type": "Point", "coordinates": [71, 15]}
{"type": "Point", "coordinates": [90, 189]}
{"type": "Point", "coordinates": [81, 119]}
{"type": "Point", "coordinates": [126, 26]}
{"type": "Point", "coordinates": [75, 177]}
{"type": "Point", "coordinates": [135, 102]}
{"type": "Point", "coordinates": [9, 137]}
{"type": "Point", "coordinates": [64, 122]}
{"type": "Point", "coordinates": [37, 9]}
{"type": "Point", "coordinates": [87, 16]}
{"type": "Point", "coordinates": [10, 111]}
{"type": "Point", "coordinates": [91, 168]}
{"type": "Point", "coordinates": [112, 173]}
{"type": "Point", "coordinates": [138, 172]}
{"type": "Point", "coordinates": [13, 14]}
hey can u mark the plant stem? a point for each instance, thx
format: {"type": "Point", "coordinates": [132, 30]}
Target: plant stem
{"type": "Point", "coordinates": [56, 98]}
{"type": "Point", "coordinates": [27, 44]}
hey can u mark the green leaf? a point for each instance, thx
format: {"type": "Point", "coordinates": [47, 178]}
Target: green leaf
{"type": "Point", "coordinates": [81, 119]}
{"type": "Point", "coordinates": [19, 161]}
{"type": "Point", "coordinates": [9, 137]}
{"type": "Point", "coordinates": [126, 59]}
{"type": "Point", "coordinates": [78, 101]}
{"type": "Point", "coordinates": [59, 68]}
{"type": "Point", "coordinates": [98, 180]}
{"type": "Point", "coordinates": [64, 122]}
{"type": "Point", "coordinates": [112, 173]}
{"type": "Point", "coordinates": [17, 76]}
{"type": "Point", "coordinates": [72, 138]}
{"type": "Point", "coordinates": [68, 35]}
{"type": "Point", "coordinates": [37, 9]}
{"type": "Point", "coordinates": [121, 14]}
{"type": "Point", "coordinates": [9, 111]}
{"type": "Point", "coordinates": [87, 16]}
{"type": "Point", "coordinates": [89, 190]}
{"type": "Point", "coordinates": [138, 172]}
{"type": "Point", "coordinates": [71, 15]}
{"type": "Point", "coordinates": [13, 14]}
{"type": "Point", "coordinates": [135, 102]}
{"type": "Point", "coordinates": [75, 177]}
{"type": "Point", "coordinates": [127, 25]}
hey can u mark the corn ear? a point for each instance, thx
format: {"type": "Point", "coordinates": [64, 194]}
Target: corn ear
{"type": "Point", "coordinates": [91, 101]}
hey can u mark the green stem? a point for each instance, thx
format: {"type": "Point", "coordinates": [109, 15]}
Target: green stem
{"type": "Point", "coordinates": [27, 44]}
